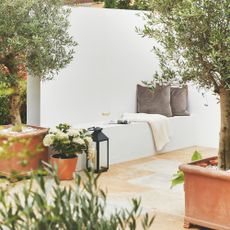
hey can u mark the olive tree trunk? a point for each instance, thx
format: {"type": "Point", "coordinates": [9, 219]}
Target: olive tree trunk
{"type": "Point", "coordinates": [15, 105]}
{"type": "Point", "coordinates": [224, 146]}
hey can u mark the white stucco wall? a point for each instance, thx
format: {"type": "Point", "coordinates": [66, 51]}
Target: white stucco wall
{"type": "Point", "coordinates": [207, 111]}
{"type": "Point", "coordinates": [33, 101]}
{"type": "Point", "coordinates": [110, 60]}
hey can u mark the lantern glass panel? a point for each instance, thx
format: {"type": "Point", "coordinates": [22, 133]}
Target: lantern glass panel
{"type": "Point", "coordinates": [102, 154]}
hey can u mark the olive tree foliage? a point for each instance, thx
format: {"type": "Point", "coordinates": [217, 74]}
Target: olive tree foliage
{"type": "Point", "coordinates": [34, 39]}
{"type": "Point", "coordinates": [193, 38]}
{"type": "Point", "coordinates": [194, 45]}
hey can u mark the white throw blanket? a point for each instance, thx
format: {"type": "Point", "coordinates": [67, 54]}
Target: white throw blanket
{"type": "Point", "coordinates": [159, 125]}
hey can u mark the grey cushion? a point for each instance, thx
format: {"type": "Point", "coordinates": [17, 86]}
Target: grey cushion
{"type": "Point", "coordinates": [154, 102]}
{"type": "Point", "coordinates": [179, 101]}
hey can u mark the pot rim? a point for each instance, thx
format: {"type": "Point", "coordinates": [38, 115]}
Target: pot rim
{"type": "Point", "coordinates": [38, 132]}
{"type": "Point", "coordinates": [191, 168]}
{"type": "Point", "coordinates": [73, 156]}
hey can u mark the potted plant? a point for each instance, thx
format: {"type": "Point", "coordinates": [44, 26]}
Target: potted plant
{"type": "Point", "coordinates": [67, 144]}
{"type": "Point", "coordinates": [193, 45]}
{"type": "Point", "coordinates": [34, 41]}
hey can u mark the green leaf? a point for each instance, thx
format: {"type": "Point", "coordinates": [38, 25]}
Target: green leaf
{"type": "Point", "coordinates": [177, 179]}
{"type": "Point", "coordinates": [196, 156]}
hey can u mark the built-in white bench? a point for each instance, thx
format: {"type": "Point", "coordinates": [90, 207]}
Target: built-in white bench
{"type": "Point", "coordinates": [135, 140]}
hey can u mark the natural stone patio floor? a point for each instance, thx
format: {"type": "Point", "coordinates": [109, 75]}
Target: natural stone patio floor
{"type": "Point", "coordinates": [149, 178]}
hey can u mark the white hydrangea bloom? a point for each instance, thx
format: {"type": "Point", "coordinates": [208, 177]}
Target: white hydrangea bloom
{"type": "Point", "coordinates": [53, 130]}
{"type": "Point", "coordinates": [58, 131]}
{"type": "Point", "coordinates": [79, 141]}
{"type": "Point", "coordinates": [89, 140]}
{"type": "Point", "coordinates": [48, 140]}
{"type": "Point", "coordinates": [91, 156]}
{"type": "Point", "coordinates": [91, 151]}
{"type": "Point", "coordinates": [73, 133]}
{"type": "Point", "coordinates": [61, 136]}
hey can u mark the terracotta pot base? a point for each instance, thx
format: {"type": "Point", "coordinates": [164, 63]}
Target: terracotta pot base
{"type": "Point", "coordinates": [65, 167]}
{"type": "Point", "coordinates": [35, 140]}
{"type": "Point", "coordinates": [207, 200]}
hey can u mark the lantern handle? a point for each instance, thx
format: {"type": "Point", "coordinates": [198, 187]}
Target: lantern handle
{"type": "Point", "coordinates": [95, 129]}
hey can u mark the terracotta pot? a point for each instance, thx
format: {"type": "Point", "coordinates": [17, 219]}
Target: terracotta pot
{"type": "Point", "coordinates": [207, 199]}
{"type": "Point", "coordinates": [34, 141]}
{"type": "Point", "coordinates": [65, 167]}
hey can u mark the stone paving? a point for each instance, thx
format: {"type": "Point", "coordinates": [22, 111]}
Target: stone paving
{"type": "Point", "coordinates": [149, 178]}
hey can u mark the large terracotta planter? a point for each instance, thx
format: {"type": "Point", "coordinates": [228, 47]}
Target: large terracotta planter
{"type": "Point", "coordinates": [34, 144]}
{"type": "Point", "coordinates": [65, 167]}
{"type": "Point", "coordinates": [207, 196]}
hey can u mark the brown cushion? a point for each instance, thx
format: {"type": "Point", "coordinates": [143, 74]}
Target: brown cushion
{"type": "Point", "coordinates": [154, 102]}
{"type": "Point", "coordinates": [179, 101]}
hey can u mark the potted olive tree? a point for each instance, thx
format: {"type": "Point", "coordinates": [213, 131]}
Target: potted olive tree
{"type": "Point", "coordinates": [67, 143]}
{"type": "Point", "coordinates": [193, 45]}
{"type": "Point", "coordinates": [34, 41]}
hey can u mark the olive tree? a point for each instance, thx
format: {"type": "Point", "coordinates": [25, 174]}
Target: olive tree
{"type": "Point", "coordinates": [34, 40]}
{"type": "Point", "coordinates": [194, 45]}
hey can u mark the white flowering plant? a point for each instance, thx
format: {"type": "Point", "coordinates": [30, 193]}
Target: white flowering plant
{"type": "Point", "coordinates": [67, 141]}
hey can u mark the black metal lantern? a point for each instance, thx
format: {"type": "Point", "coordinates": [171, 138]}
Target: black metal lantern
{"type": "Point", "coordinates": [100, 139]}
